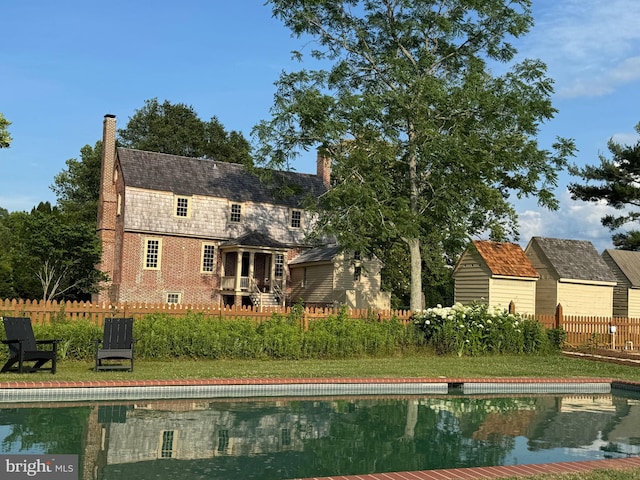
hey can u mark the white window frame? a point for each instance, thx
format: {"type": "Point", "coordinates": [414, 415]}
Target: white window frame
{"type": "Point", "coordinates": [147, 252]}
{"type": "Point", "coordinates": [278, 265]}
{"type": "Point", "coordinates": [178, 297]}
{"type": "Point", "coordinates": [295, 213]}
{"type": "Point", "coordinates": [232, 214]}
{"type": "Point", "coordinates": [171, 452]}
{"type": "Point", "coordinates": [205, 246]}
{"type": "Point", "coordinates": [179, 208]}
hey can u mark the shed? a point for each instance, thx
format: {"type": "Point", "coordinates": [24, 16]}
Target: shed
{"type": "Point", "coordinates": [325, 276]}
{"type": "Point", "coordinates": [625, 265]}
{"type": "Point", "coordinates": [496, 274]}
{"type": "Point", "coordinates": [572, 274]}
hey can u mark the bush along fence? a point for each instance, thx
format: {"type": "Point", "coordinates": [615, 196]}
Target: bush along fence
{"type": "Point", "coordinates": [168, 330]}
{"type": "Point", "coordinates": [44, 312]}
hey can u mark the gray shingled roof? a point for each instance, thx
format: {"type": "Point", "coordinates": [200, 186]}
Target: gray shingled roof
{"type": "Point", "coordinates": [318, 254]}
{"type": "Point", "coordinates": [255, 239]}
{"type": "Point", "coordinates": [575, 259]}
{"type": "Point", "coordinates": [628, 262]}
{"type": "Point", "coordinates": [194, 176]}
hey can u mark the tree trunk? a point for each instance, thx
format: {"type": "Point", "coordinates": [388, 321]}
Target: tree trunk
{"type": "Point", "coordinates": [416, 274]}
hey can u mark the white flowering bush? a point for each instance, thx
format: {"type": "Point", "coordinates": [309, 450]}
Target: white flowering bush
{"type": "Point", "coordinates": [479, 329]}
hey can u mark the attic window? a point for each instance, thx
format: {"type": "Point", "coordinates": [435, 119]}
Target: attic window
{"type": "Point", "coordinates": [236, 213]}
{"type": "Point", "coordinates": [182, 207]}
{"type": "Point", "coordinates": [296, 218]}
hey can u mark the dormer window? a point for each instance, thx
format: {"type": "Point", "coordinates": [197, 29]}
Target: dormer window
{"type": "Point", "coordinates": [182, 207]}
{"type": "Point", "coordinates": [236, 213]}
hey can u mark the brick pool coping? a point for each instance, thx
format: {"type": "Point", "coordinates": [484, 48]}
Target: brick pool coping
{"type": "Point", "coordinates": [453, 474]}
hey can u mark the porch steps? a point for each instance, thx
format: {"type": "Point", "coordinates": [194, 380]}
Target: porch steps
{"type": "Point", "coordinates": [264, 299]}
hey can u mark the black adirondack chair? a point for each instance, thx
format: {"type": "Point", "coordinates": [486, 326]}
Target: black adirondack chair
{"type": "Point", "coordinates": [23, 347]}
{"type": "Point", "coordinates": [116, 345]}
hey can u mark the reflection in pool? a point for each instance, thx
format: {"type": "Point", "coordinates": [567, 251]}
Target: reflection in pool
{"type": "Point", "coordinates": [294, 438]}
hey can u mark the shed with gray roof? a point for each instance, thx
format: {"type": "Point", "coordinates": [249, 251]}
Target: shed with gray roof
{"type": "Point", "coordinates": [572, 274]}
{"type": "Point", "coordinates": [625, 265]}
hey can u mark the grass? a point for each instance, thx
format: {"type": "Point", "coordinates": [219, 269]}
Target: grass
{"type": "Point", "coordinates": [419, 365]}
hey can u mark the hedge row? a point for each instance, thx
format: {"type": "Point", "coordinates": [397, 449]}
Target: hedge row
{"type": "Point", "coordinates": [161, 336]}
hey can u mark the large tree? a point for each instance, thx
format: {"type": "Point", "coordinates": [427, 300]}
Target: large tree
{"type": "Point", "coordinates": [428, 145]}
{"type": "Point", "coordinates": [50, 255]}
{"type": "Point", "coordinates": [5, 138]}
{"type": "Point", "coordinates": [616, 181]}
{"type": "Point", "coordinates": [176, 129]}
{"type": "Point", "coordinates": [77, 187]}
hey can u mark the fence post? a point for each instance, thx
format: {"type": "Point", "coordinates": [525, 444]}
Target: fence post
{"type": "Point", "coordinates": [559, 317]}
{"type": "Point", "coordinates": [512, 307]}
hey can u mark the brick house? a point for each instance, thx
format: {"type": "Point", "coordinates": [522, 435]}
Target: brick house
{"type": "Point", "coordinates": [196, 231]}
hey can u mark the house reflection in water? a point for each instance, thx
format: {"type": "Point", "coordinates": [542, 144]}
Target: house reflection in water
{"type": "Point", "coordinates": [298, 438]}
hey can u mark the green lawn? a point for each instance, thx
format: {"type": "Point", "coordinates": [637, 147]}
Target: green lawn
{"type": "Point", "coordinates": [407, 366]}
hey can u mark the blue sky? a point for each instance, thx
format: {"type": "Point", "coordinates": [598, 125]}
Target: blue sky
{"type": "Point", "coordinates": [65, 64]}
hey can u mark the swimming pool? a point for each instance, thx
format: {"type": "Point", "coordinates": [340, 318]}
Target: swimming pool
{"type": "Point", "coordinates": [285, 437]}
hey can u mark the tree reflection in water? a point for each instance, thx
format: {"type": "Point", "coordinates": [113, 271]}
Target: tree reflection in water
{"type": "Point", "coordinates": [288, 438]}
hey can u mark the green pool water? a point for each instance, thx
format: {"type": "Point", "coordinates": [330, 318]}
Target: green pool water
{"type": "Point", "coordinates": [299, 438]}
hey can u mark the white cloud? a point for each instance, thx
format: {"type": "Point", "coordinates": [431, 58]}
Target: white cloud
{"type": "Point", "coordinates": [575, 220]}
{"type": "Point", "coordinates": [590, 46]}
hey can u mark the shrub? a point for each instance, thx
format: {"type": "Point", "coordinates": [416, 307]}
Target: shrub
{"type": "Point", "coordinates": [478, 329]}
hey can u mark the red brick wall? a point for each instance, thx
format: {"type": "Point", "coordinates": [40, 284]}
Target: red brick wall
{"type": "Point", "coordinates": [179, 271]}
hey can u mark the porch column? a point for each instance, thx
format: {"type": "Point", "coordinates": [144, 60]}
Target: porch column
{"type": "Point", "coordinates": [252, 259]}
{"type": "Point", "coordinates": [238, 270]}
{"type": "Point", "coordinates": [272, 274]}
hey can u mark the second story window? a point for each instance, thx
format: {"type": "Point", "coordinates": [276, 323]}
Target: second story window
{"type": "Point", "coordinates": [296, 218]}
{"type": "Point", "coordinates": [236, 213]}
{"type": "Point", "coordinates": [182, 207]}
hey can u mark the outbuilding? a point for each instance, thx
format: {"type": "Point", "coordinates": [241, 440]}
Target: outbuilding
{"type": "Point", "coordinates": [496, 274]}
{"type": "Point", "coordinates": [625, 265]}
{"type": "Point", "coordinates": [572, 274]}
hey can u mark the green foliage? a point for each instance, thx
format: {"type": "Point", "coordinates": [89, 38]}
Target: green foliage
{"type": "Point", "coordinates": [557, 338]}
{"type": "Point", "coordinates": [77, 337]}
{"type": "Point", "coordinates": [177, 130]}
{"type": "Point", "coordinates": [5, 138]}
{"type": "Point", "coordinates": [616, 181]}
{"type": "Point", "coordinates": [478, 329]}
{"type": "Point", "coordinates": [49, 254]}
{"type": "Point", "coordinates": [78, 187]}
{"type": "Point", "coordinates": [426, 143]}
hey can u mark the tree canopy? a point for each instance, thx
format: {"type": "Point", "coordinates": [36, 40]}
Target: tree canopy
{"type": "Point", "coordinates": [615, 181]}
{"type": "Point", "coordinates": [428, 145]}
{"type": "Point", "coordinates": [5, 138]}
{"type": "Point", "coordinates": [176, 129]}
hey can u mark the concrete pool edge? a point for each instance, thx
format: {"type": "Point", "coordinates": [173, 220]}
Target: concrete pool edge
{"type": "Point", "coordinates": [21, 391]}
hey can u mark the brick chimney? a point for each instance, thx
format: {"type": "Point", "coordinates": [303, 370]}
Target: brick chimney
{"type": "Point", "coordinates": [323, 167]}
{"type": "Point", "coordinates": [107, 201]}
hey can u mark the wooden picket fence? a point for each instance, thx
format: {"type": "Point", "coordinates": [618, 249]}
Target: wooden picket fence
{"type": "Point", "coordinates": [43, 312]}
{"type": "Point", "coordinates": [581, 330]}
{"type": "Point", "coordinates": [618, 333]}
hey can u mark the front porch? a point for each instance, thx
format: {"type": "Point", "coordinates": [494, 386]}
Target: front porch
{"type": "Point", "coordinates": [253, 274]}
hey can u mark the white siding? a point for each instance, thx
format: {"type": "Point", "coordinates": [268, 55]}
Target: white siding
{"type": "Point", "coordinates": [521, 291]}
{"type": "Point", "coordinates": [590, 300]}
